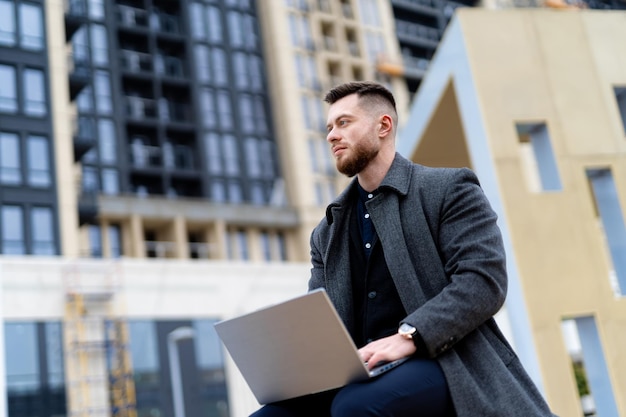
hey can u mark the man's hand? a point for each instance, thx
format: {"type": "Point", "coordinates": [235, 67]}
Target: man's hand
{"type": "Point", "coordinates": [386, 349]}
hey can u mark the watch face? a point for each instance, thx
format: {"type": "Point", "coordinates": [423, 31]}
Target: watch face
{"type": "Point", "coordinates": [406, 329]}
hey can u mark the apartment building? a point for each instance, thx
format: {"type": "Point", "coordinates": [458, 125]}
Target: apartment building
{"type": "Point", "coordinates": [159, 139]}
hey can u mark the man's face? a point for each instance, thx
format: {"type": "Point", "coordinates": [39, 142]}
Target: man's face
{"type": "Point", "coordinates": [352, 135]}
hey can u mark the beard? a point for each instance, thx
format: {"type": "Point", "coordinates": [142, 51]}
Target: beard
{"type": "Point", "coordinates": [354, 164]}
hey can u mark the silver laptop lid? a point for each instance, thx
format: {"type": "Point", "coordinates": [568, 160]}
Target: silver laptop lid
{"type": "Point", "coordinates": [294, 348]}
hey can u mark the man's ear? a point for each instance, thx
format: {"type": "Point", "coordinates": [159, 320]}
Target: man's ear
{"type": "Point", "coordinates": [386, 125]}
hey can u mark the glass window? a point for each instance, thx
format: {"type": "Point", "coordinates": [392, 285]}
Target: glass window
{"type": "Point", "coordinates": [42, 228]}
{"type": "Point", "coordinates": [84, 100]}
{"type": "Point", "coordinates": [90, 179]}
{"type": "Point", "coordinates": [240, 68]}
{"type": "Point", "coordinates": [8, 92]}
{"type": "Point", "coordinates": [80, 47]}
{"type": "Point", "coordinates": [203, 65]}
{"type": "Point", "coordinates": [34, 92]}
{"type": "Point", "coordinates": [95, 241]}
{"type": "Point", "coordinates": [10, 172]}
{"type": "Point", "coordinates": [7, 23]}
{"type": "Point", "coordinates": [259, 116]}
{"type": "Point", "coordinates": [103, 92]}
{"type": "Point", "coordinates": [96, 9]}
{"type": "Point", "coordinates": [220, 69]}
{"type": "Point", "coordinates": [235, 194]}
{"type": "Point", "coordinates": [38, 161]}
{"type": "Point", "coordinates": [253, 155]}
{"type": "Point", "coordinates": [214, 18]}
{"type": "Point", "coordinates": [231, 156]}
{"type": "Point", "coordinates": [115, 240]}
{"type": "Point", "coordinates": [110, 182]}
{"type": "Point", "coordinates": [282, 246]}
{"type": "Point", "coordinates": [267, 159]}
{"type": "Point", "coordinates": [257, 194]}
{"type": "Point", "coordinates": [255, 72]}
{"type": "Point", "coordinates": [246, 114]}
{"type": "Point", "coordinates": [209, 116]}
{"type": "Point", "coordinates": [250, 34]}
{"type": "Point", "coordinates": [198, 29]}
{"type": "Point", "coordinates": [144, 351]}
{"type": "Point", "coordinates": [620, 97]}
{"type": "Point", "coordinates": [31, 26]}
{"type": "Point", "coordinates": [235, 31]}
{"type": "Point", "coordinates": [266, 247]}
{"type": "Point", "coordinates": [218, 193]}
{"type": "Point", "coordinates": [225, 110]}
{"type": "Point", "coordinates": [21, 358]}
{"type": "Point", "coordinates": [54, 355]}
{"type": "Point", "coordinates": [106, 141]}
{"type": "Point", "coordinates": [99, 45]}
{"type": "Point", "coordinates": [213, 153]}
{"type": "Point", "coordinates": [242, 245]}
{"type": "Point", "coordinates": [13, 231]}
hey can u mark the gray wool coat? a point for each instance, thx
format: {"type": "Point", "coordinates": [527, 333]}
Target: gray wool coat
{"type": "Point", "coordinates": [445, 254]}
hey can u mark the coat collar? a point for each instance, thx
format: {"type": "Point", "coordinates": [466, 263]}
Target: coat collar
{"type": "Point", "coordinates": [398, 179]}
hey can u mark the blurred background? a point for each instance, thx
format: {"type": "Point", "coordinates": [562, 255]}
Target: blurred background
{"type": "Point", "coordinates": [163, 162]}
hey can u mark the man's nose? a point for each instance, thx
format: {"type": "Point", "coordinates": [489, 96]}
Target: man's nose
{"type": "Point", "coordinates": [331, 136]}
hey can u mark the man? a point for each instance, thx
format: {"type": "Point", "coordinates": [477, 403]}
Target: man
{"type": "Point", "coordinates": [413, 261]}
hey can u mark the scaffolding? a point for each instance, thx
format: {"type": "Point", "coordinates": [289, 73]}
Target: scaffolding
{"type": "Point", "coordinates": [97, 358]}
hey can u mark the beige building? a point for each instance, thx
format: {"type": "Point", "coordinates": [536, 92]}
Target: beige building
{"type": "Point", "coordinates": [533, 101]}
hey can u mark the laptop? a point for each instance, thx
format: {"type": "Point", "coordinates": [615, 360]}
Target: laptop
{"type": "Point", "coordinates": [295, 348]}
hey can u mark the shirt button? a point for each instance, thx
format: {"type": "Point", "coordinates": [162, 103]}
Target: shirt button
{"type": "Point", "coordinates": [367, 215]}
{"type": "Point", "coordinates": [371, 295]}
{"type": "Point", "coordinates": [368, 245]}
{"type": "Point", "coordinates": [370, 195]}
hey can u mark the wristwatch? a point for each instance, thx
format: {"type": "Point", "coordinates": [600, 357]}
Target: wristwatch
{"type": "Point", "coordinates": [407, 331]}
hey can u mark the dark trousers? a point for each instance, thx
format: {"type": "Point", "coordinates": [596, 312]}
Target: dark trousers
{"type": "Point", "coordinates": [417, 388]}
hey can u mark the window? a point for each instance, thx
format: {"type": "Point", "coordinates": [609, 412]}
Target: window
{"type": "Point", "coordinates": [620, 96]}
{"type": "Point", "coordinates": [34, 369]}
{"type": "Point", "coordinates": [8, 92]}
{"type": "Point", "coordinates": [103, 92]}
{"type": "Point", "coordinates": [31, 26]}
{"type": "Point", "coordinates": [220, 67]}
{"type": "Point", "coordinates": [225, 110]}
{"type": "Point", "coordinates": [34, 92]}
{"type": "Point", "coordinates": [12, 230]}
{"type": "Point", "coordinates": [84, 100]}
{"type": "Point", "coordinates": [240, 69]}
{"type": "Point", "coordinates": [266, 247]}
{"type": "Point", "coordinates": [99, 45]}
{"type": "Point", "coordinates": [209, 118]}
{"type": "Point", "coordinates": [115, 240]}
{"type": "Point", "coordinates": [95, 241]}
{"type": "Point", "coordinates": [260, 116]}
{"type": "Point", "coordinates": [214, 24]}
{"type": "Point", "coordinates": [253, 155]}
{"type": "Point", "coordinates": [203, 66]}
{"type": "Point", "coordinates": [38, 161]}
{"type": "Point", "coordinates": [213, 153]}
{"type": "Point", "coordinates": [231, 155]}
{"type": "Point", "coordinates": [107, 142]}
{"type": "Point", "coordinates": [7, 23]}
{"type": "Point", "coordinates": [10, 170]}
{"type": "Point", "coordinates": [588, 360]}
{"type": "Point", "coordinates": [96, 9]}
{"type": "Point", "coordinates": [90, 180]}
{"type": "Point", "coordinates": [42, 227]}
{"type": "Point", "coordinates": [235, 194]}
{"type": "Point", "coordinates": [235, 30]}
{"type": "Point", "coordinates": [110, 182]}
{"type": "Point", "coordinates": [196, 13]}
{"type": "Point", "coordinates": [246, 114]}
{"type": "Point", "coordinates": [538, 161]}
{"type": "Point", "coordinates": [609, 211]}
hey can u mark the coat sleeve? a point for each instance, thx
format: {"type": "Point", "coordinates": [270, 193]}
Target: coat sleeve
{"type": "Point", "coordinates": [317, 269]}
{"type": "Point", "coordinates": [472, 255]}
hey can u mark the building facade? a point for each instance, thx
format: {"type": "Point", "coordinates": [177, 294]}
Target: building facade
{"type": "Point", "coordinates": [539, 114]}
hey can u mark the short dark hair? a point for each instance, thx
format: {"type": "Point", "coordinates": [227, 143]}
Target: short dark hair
{"type": "Point", "coordinates": [361, 89]}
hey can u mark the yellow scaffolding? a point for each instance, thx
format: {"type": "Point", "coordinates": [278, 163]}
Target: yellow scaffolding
{"type": "Point", "coordinates": [96, 343]}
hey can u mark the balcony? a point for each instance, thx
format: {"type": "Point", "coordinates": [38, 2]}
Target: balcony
{"type": "Point", "coordinates": [87, 207]}
{"type": "Point", "coordinates": [171, 111]}
{"type": "Point", "coordinates": [83, 136]}
{"type": "Point", "coordinates": [409, 31]}
{"type": "Point", "coordinates": [169, 66]}
{"type": "Point", "coordinates": [135, 62]}
{"type": "Point", "coordinates": [76, 15]}
{"type": "Point", "coordinates": [165, 23]}
{"type": "Point", "coordinates": [80, 75]}
{"type": "Point", "coordinates": [132, 17]}
{"type": "Point", "coordinates": [141, 108]}
{"type": "Point", "coordinates": [145, 156]}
